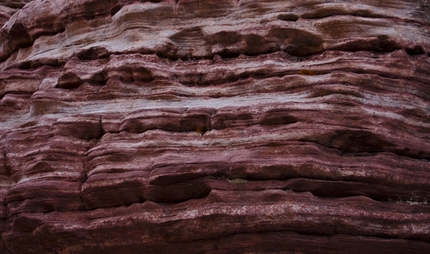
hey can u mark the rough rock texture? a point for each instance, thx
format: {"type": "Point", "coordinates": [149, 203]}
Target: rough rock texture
{"type": "Point", "coordinates": [214, 126]}
{"type": "Point", "coordinates": [8, 8]}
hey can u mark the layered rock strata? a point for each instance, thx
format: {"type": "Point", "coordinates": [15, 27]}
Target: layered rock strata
{"type": "Point", "coordinates": [215, 127]}
{"type": "Point", "coordinates": [8, 8]}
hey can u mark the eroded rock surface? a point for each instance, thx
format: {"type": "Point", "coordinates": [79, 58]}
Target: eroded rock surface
{"type": "Point", "coordinates": [215, 126]}
{"type": "Point", "coordinates": [9, 7]}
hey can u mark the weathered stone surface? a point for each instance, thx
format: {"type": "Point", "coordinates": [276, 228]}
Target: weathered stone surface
{"type": "Point", "coordinates": [215, 126]}
{"type": "Point", "coordinates": [8, 8]}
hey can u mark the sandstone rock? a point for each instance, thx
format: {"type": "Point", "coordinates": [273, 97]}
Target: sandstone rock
{"type": "Point", "coordinates": [214, 126]}
{"type": "Point", "coordinates": [8, 8]}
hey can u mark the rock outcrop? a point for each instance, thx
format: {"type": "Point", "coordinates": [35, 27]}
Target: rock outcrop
{"type": "Point", "coordinates": [215, 126]}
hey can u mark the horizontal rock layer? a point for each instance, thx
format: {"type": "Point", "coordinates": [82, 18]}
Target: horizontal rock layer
{"type": "Point", "coordinates": [215, 127]}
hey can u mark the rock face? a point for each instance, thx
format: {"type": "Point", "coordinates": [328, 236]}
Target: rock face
{"type": "Point", "coordinates": [8, 8]}
{"type": "Point", "coordinates": [214, 126]}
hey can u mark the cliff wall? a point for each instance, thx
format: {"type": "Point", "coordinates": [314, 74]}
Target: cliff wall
{"type": "Point", "coordinates": [215, 126]}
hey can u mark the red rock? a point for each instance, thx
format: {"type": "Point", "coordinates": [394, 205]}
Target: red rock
{"type": "Point", "coordinates": [214, 126]}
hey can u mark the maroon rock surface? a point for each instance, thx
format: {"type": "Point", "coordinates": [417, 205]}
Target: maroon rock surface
{"type": "Point", "coordinates": [8, 8]}
{"type": "Point", "coordinates": [215, 126]}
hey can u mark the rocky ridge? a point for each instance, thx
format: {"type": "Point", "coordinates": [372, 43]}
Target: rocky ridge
{"type": "Point", "coordinates": [215, 127]}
